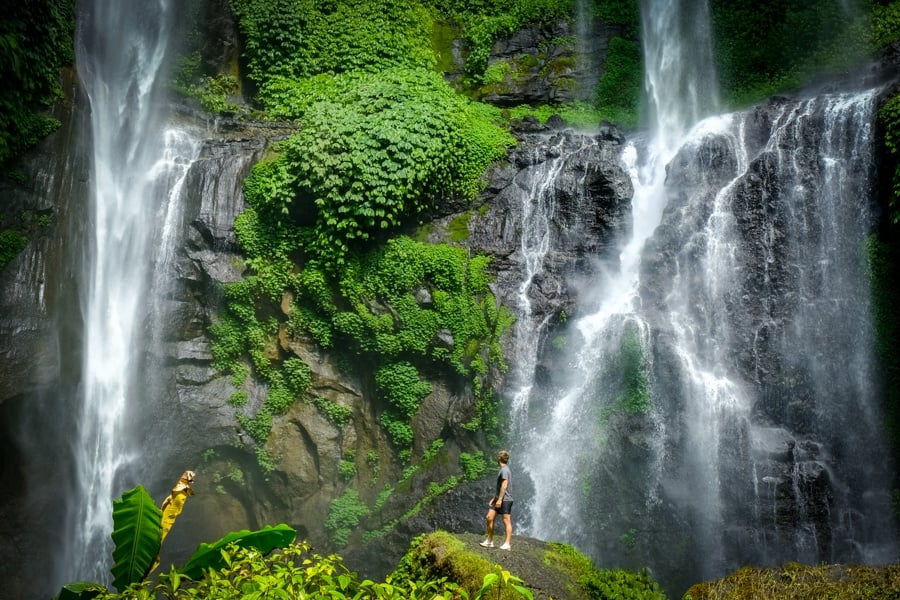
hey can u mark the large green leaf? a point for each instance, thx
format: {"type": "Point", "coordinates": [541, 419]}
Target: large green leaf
{"type": "Point", "coordinates": [80, 590]}
{"type": "Point", "coordinates": [210, 555]}
{"type": "Point", "coordinates": [137, 533]}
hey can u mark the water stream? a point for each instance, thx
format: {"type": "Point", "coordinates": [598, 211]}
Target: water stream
{"type": "Point", "coordinates": [138, 161]}
{"type": "Point", "coordinates": [704, 419]}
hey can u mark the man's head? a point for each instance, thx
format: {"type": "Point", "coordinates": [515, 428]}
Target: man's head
{"type": "Point", "coordinates": [503, 457]}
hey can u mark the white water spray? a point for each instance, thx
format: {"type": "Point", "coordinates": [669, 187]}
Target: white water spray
{"type": "Point", "coordinates": [678, 73]}
{"type": "Point", "coordinates": [538, 208]}
{"type": "Point", "coordinates": [138, 164]}
{"type": "Point", "coordinates": [739, 298]}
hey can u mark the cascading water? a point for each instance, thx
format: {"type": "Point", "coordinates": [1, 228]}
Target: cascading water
{"type": "Point", "coordinates": [720, 406]}
{"type": "Point", "coordinates": [670, 68]}
{"type": "Point", "coordinates": [137, 166]}
{"type": "Point", "coordinates": [537, 209]}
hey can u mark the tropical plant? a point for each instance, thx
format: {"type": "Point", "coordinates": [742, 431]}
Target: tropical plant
{"type": "Point", "coordinates": [499, 579]}
{"type": "Point", "coordinates": [139, 528]}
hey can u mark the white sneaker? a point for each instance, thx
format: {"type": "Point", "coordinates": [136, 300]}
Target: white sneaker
{"type": "Point", "coordinates": [487, 544]}
{"type": "Point", "coordinates": [505, 546]}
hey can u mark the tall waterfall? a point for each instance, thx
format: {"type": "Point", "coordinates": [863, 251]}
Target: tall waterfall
{"type": "Point", "coordinates": [138, 163]}
{"type": "Point", "coordinates": [720, 405]}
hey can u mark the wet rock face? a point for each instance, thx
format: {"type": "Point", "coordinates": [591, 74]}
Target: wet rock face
{"type": "Point", "coordinates": [588, 196]}
{"type": "Point", "coordinates": [749, 253]}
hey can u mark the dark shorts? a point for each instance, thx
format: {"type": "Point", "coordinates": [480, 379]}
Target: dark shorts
{"type": "Point", "coordinates": [505, 507]}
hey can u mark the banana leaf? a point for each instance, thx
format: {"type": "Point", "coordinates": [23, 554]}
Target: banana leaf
{"type": "Point", "coordinates": [209, 556]}
{"type": "Point", "coordinates": [137, 533]}
{"type": "Point", "coordinates": [80, 590]}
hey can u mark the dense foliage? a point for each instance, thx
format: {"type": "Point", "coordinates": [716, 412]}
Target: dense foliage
{"type": "Point", "coordinates": [35, 41]}
{"type": "Point", "coordinates": [380, 139]}
{"type": "Point", "coordinates": [764, 47]}
{"type": "Point", "coordinates": [296, 571]}
{"type": "Point", "coordinates": [373, 152]}
{"type": "Point", "coordinates": [301, 38]}
{"type": "Point", "coordinates": [11, 243]}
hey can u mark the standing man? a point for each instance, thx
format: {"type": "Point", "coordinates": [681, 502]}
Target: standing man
{"type": "Point", "coordinates": [501, 503]}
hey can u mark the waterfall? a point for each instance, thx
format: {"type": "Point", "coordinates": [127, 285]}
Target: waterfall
{"type": "Point", "coordinates": [720, 406]}
{"type": "Point", "coordinates": [674, 64]}
{"type": "Point", "coordinates": [137, 164]}
{"type": "Point", "coordinates": [537, 209]}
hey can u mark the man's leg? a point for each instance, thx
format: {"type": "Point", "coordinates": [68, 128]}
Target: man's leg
{"type": "Point", "coordinates": [507, 523]}
{"type": "Point", "coordinates": [489, 520]}
{"type": "Point", "coordinates": [490, 523]}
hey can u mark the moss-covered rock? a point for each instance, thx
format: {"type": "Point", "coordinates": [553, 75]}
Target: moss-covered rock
{"type": "Point", "coordinates": [794, 581]}
{"type": "Point", "coordinates": [547, 569]}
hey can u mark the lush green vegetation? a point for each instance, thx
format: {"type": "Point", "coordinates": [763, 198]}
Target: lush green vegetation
{"type": "Point", "coordinates": [603, 583]}
{"type": "Point", "coordinates": [35, 42]}
{"type": "Point", "coordinates": [11, 243]}
{"type": "Point", "coordinates": [619, 90]}
{"type": "Point", "coordinates": [300, 38]}
{"type": "Point", "coordinates": [381, 139]}
{"type": "Point", "coordinates": [482, 22]}
{"type": "Point", "coordinates": [373, 152]}
{"type": "Point", "coordinates": [242, 564]}
{"type": "Point", "coordinates": [768, 46]}
{"type": "Point", "coordinates": [296, 571]}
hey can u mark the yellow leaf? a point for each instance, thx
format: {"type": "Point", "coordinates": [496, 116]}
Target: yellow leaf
{"type": "Point", "coordinates": [174, 503]}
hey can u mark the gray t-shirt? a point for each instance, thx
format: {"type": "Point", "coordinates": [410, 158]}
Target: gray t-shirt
{"type": "Point", "coordinates": [504, 473]}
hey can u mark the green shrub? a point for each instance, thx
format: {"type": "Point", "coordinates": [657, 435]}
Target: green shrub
{"type": "Point", "coordinates": [303, 38]}
{"type": "Point", "coordinates": [620, 13]}
{"type": "Point", "coordinates": [334, 412]}
{"type": "Point", "coordinates": [238, 399]}
{"type": "Point", "coordinates": [344, 514]}
{"type": "Point", "coordinates": [347, 469]}
{"type": "Point", "coordinates": [767, 46]}
{"type": "Point", "coordinates": [399, 431]}
{"type": "Point", "coordinates": [11, 243]}
{"type": "Point", "coordinates": [399, 384]}
{"type": "Point", "coordinates": [885, 24]}
{"type": "Point", "coordinates": [374, 151]}
{"type": "Point", "coordinates": [297, 375]}
{"type": "Point", "coordinates": [473, 465]}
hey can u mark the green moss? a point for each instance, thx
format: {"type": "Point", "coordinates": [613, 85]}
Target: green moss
{"type": "Point", "coordinates": [458, 228]}
{"type": "Point", "coordinates": [793, 581]}
{"type": "Point", "coordinates": [458, 563]}
{"type": "Point", "coordinates": [602, 583]}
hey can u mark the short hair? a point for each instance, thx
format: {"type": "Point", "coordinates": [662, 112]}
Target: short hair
{"type": "Point", "coordinates": [503, 456]}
